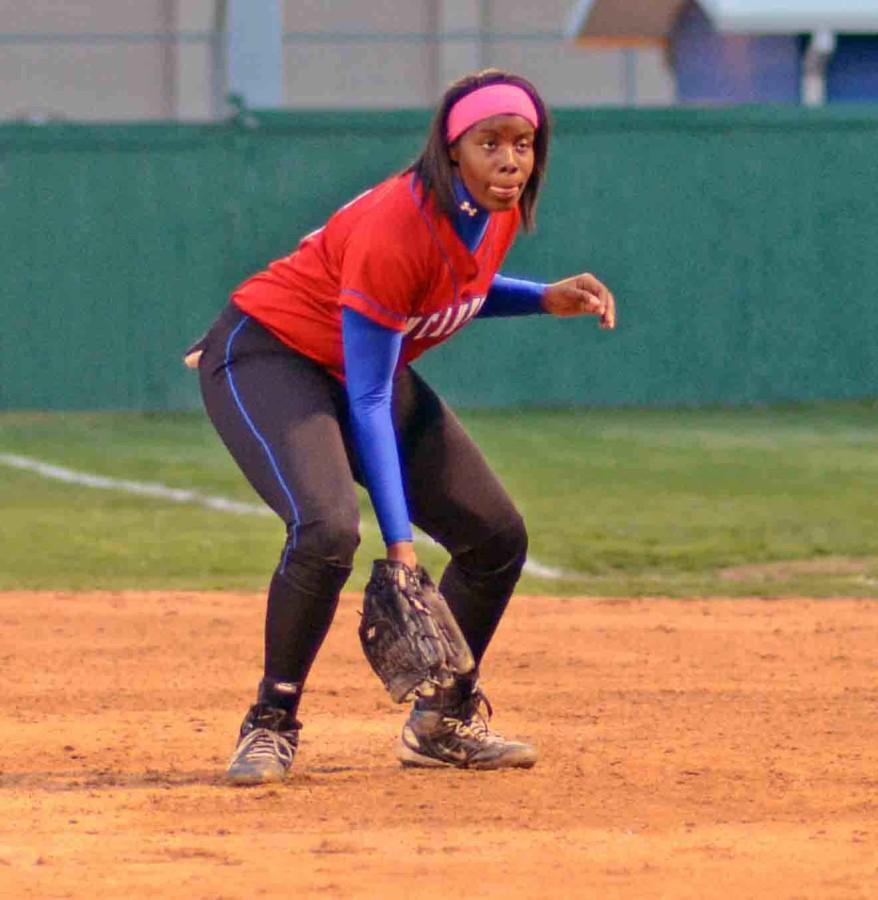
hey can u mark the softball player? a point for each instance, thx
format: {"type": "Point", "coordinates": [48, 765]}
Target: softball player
{"type": "Point", "coordinates": [306, 376]}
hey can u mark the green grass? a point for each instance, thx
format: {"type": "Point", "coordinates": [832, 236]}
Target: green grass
{"type": "Point", "coordinates": [626, 502]}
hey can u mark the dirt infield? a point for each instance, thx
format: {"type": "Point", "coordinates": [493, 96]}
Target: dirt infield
{"type": "Point", "coordinates": [688, 749]}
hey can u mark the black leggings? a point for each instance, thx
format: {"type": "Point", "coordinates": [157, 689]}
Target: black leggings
{"type": "Point", "coordinates": [284, 419]}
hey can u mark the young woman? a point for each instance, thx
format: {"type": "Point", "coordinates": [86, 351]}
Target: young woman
{"type": "Point", "coordinates": [306, 377]}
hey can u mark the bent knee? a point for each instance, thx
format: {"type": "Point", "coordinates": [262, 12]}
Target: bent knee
{"type": "Point", "coordinates": [333, 539]}
{"type": "Point", "coordinates": [503, 550]}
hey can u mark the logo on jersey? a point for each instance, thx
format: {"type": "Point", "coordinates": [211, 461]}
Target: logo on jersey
{"type": "Point", "coordinates": [442, 322]}
{"type": "Point", "coordinates": [468, 208]}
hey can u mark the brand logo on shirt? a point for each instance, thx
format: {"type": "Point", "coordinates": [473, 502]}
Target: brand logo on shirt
{"type": "Point", "coordinates": [468, 208]}
{"type": "Point", "coordinates": [442, 322]}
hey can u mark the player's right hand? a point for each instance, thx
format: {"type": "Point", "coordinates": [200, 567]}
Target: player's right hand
{"type": "Point", "coordinates": [404, 552]}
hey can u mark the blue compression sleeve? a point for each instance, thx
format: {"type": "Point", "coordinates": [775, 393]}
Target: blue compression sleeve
{"type": "Point", "coordinates": [371, 352]}
{"type": "Point", "coordinates": [512, 297]}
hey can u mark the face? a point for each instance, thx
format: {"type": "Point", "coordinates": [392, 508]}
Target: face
{"type": "Point", "coordinates": [495, 159]}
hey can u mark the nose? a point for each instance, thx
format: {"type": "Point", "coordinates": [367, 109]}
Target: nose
{"type": "Point", "coordinates": [508, 162]}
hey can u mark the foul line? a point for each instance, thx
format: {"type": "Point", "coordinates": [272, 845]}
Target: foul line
{"type": "Point", "coordinates": [159, 491]}
{"type": "Point", "coordinates": [141, 488]}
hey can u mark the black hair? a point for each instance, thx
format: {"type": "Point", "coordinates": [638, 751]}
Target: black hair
{"type": "Point", "coordinates": [434, 167]}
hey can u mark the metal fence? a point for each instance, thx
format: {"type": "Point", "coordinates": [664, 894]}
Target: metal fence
{"type": "Point", "coordinates": [740, 243]}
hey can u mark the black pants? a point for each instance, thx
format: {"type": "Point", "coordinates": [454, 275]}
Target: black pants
{"type": "Point", "coordinates": [285, 421]}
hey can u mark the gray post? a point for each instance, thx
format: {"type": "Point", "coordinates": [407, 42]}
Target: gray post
{"type": "Point", "coordinates": [460, 39]}
{"type": "Point", "coordinates": [254, 54]}
{"type": "Point", "coordinates": [817, 56]}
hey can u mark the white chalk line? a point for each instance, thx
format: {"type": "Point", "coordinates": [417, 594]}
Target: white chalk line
{"type": "Point", "coordinates": [158, 491]}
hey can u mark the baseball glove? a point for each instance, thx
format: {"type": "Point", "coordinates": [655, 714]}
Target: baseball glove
{"type": "Point", "coordinates": [409, 634]}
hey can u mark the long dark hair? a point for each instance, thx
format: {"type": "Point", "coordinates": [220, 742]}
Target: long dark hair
{"type": "Point", "coordinates": [434, 167]}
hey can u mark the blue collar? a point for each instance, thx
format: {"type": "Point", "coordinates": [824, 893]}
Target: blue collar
{"type": "Point", "coordinates": [470, 220]}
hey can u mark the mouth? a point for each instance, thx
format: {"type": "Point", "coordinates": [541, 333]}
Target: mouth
{"type": "Point", "coordinates": [504, 192]}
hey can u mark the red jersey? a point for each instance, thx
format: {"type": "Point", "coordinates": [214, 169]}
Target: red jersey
{"type": "Point", "coordinates": [390, 258]}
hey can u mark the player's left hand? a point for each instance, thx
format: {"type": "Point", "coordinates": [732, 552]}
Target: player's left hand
{"type": "Point", "coordinates": [581, 295]}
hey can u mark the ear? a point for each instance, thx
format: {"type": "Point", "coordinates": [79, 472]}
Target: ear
{"type": "Point", "coordinates": [454, 153]}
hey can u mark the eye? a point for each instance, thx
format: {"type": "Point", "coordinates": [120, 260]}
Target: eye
{"type": "Point", "coordinates": [523, 145]}
{"type": "Point", "coordinates": [489, 144]}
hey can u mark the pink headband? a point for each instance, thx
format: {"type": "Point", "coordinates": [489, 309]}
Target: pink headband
{"type": "Point", "coordinates": [492, 100]}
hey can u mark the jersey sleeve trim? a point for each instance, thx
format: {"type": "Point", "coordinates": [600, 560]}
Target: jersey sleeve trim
{"type": "Point", "coordinates": [373, 310]}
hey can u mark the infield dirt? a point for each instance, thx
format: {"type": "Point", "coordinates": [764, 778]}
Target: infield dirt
{"type": "Point", "coordinates": [703, 748]}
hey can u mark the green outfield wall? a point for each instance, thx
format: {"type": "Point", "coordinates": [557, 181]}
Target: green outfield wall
{"type": "Point", "coordinates": [742, 246]}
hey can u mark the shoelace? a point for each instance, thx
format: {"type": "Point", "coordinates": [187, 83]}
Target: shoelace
{"type": "Point", "coordinates": [262, 743]}
{"type": "Point", "coordinates": [475, 724]}
{"type": "Point", "coordinates": [475, 728]}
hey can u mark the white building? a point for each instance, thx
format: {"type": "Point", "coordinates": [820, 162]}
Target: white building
{"type": "Point", "coordinates": [118, 60]}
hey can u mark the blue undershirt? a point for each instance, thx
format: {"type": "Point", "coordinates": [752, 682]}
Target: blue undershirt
{"type": "Point", "coordinates": [371, 353]}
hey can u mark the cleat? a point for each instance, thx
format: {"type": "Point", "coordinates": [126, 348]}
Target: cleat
{"type": "Point", "coordinates": [266, 746]}
{"type": "Point", "coordinates": [439, 734]}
